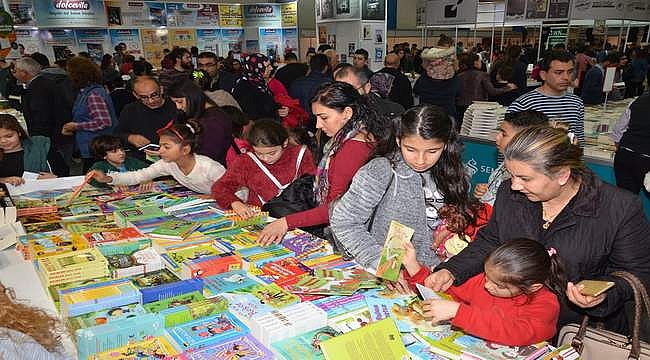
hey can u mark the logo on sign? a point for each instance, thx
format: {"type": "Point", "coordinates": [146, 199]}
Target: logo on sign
{"type": "Point", "coordinates": [451, 10]}
{"type": "Point", "coordinates": [472, 167]}
{"type": "Point", "coordinates": [71, 4]}
{"type": "Point", "coordinates": [261, 9]}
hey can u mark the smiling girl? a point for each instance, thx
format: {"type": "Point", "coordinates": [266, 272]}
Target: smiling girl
{"type": "Point", "coordinates": [178, 142]}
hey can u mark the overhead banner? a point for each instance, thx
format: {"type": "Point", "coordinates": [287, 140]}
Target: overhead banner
{"type": "Point", "coordinates": [598, 9]}
{"type": "Point", "coordinates": [192, 15]}
{"type": "Point", "coordinates": [56, 42]}
{"type": "Point", "coordinates": [337, 9]}
{"type": "Point", "coordinates": [208, 40]}
{"type": "Point", "coordinates": [231, 16]}
{"type": "Point", "coordinates": [94, 41]}
{"type": "Point", "coordinates": [451, 12]}
{"type": "Point", "coordinates": [185, 38]}
{"type": "Point", "coordinates": [258, 15]}
{"type": "Point", "coordinates": [374, 9]}
{"type": "Point", "coordinates": [130, 37]}
{"type": "Point", "coordinates": [135, 13]}
{"type": "Point", "coordinates": [289, 14]}
{"type": "Point", "coordinates": [232, 40]}
{"type": "Point", "coordinates": [22, 12]}
{"type": "Point", "coordinates": [70, 13]}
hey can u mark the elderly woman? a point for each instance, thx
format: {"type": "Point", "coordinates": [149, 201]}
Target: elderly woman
{"type": "Point", "coordinates": [594, 227]}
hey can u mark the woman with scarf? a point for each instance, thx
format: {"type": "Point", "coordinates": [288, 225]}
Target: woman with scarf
{"type": "Point", "coordinates": [354, 127]}
{"type": "Point", "coordinates": [251, 91]}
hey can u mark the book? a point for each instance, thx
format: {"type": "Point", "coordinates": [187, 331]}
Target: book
{"type": "Point", "coordinates": [351, 320]}
{"type": "Point", "coordinates": [238, 348]}
{"type": "Point", "coordinates": [176, 256]}
{"type": "Point", "coordinates": [159, 292]}
{"type": "Point", "coordinates": [176, 229]}
{"type": "Point", "coordinates": [272, 295]}
{"type": "Point", "coordinates": [422, 351]}
{"type": "Point", "coordinates": [74, 266]}
{"type": "Point", "coordinates": [486, 350]}
{"type": "Point", "coordinates": [180, 314]}
{"type": "Point", "coordinates": [53, 291]}
{"type": "Point", "coordinates": [280, 324]}
{"type": "Point", "coordinates": [154, 278]}
{"type": "Point", "coordinates": [140, 261]}
{"type": "Point", "coordinates": [239, 241]}
{"type": "Point", "coordinates": [226, 282]}
{"type": "Point", "coordinates": [152, 347]}
{"type": "Point", "coordinates": [392, 254]}
{"type": "Point", "coordinates": [42, 227]}
{"type": "Point", "coordinates": [173, 301]}
{"type": "Point", "coordinates": [94, 297]}
{"type": "Point", "coordinates": [209, 330]}
{"type": "Point", "coordinates": [246, 306]}
{"type": "Point", "coordinates": [9, 234]}
{"type": "Point", "coordinates": [283, 269]}
{"type": "Point", "coordinates": [113, 235]}
{"type": "Point", "coordinates": [337, 305]}
{"type": "Point", "coordinates": [405, 310]}
{"type": "Point", "coordinates": [124, 216]}
{"type": "Point", "coordinates": [304, 346]}
{"type": "Point", "coordinates": [104, 316]}
{"type": "Point", "coordinates": [378, 340]}
{"type": "Point", "coordinates": [85, 209]}
{"type": "Point", "coordinates": [210, 265]}
{"type": "Point", "coordinates": [56, 242]}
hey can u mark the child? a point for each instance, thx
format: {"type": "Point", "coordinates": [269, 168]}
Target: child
{"type": "Point", "coordinates": [240, 126]}
{"type": "Point", "coordinates": [27, 332]}
{"type": "Point", "coordinates": [110, 149]}
{"type": "Point", "coordinates": [512, 124]}
{"type": "Point", "coordinates": [20, 153]}
{"type": "Point", "coordinates": [178, 142]}
{"type": "Point", "coordinates": [512, 303]}
{"type": "Point", "coordinates": [265, 171]}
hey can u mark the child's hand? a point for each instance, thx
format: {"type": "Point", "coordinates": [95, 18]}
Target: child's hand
{"type": "Point", "coordinates": [99, 176]}
{"type": "Point", "coordinates": [480, 190]}
{"type": "Point", "coordinates": [13, 180]}
{"type": "Point", "coordinates": [45, 175]}
{"type": "Point", "coordinates": [439, 310]}
{"type": "Point", "coordinates": [243, 210]}
{"type": "Point", "coordinates": [410, 260]}
{"type": "Point", "coordinates": [273, 233]}
{"type": "Point", "coordinates": [146, 187]}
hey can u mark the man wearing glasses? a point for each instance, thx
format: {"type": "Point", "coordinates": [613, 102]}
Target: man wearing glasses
{"type": "Point", "coordinates": [140, 120]}
{"type": "Point", "coordinates": [221, 80]}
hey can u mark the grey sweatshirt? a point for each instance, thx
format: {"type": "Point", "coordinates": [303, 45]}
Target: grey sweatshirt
{"type": "Point", "coordinates": [401, 200]}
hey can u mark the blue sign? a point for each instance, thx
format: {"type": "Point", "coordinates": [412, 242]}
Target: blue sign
{"type": "Point", "coordinates": [70, 13]}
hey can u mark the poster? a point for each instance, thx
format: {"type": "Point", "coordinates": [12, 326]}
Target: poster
{"type": "Point", "coordinates": [208, 15]}
{"type": "Point", "coordinates": [271, 42]}
{"type": "Point", "coordinates": [231, 16]}
{"type": "Point", "coordinates": [30, 39]}
{"type": "Point", "coordinates": [322, 34]}
{"type": "Point", "coordinates": [374, 9]}
{"type": "Point", "coordinates": [153, 43]}
{"type": "Point", "coordinates": [327, 9]}
{"type": "Point", "coordinates": [556, 35]}
{"type": "Point", "coordinates": [515, 9]}
{"type": "Point", "coordinates": [185, 38]}
{"type": "Point", "coordinates": [352, 47]}
{"type": "Point", "coordinates": [130, 37]}
{"type": "Point", "coordinates": [420, 13]}
{"type": "Point", "coordinates": [55, 42]}
{"type": "Point", "coordinates": [379, 36]}
{"type": "Point", "coordinates": [289, 13]}
{"type": "Point", "coordinates": [558, 9]}
{"type": "Point", "coordinates": [135, 13]}
{"type": "Point", "coordinates": [599, 27]}
{"type": "Point", "coordinates": [338, 9]}
{"type": "Point", "coordinates": [22, 12]}
{"type": "Point", "coordinates": [379, 54]}
{"type": "Point", "coordinates": [367, 32]}
{"type": "Point", "coordinates": [598, 9]}
{"type": "Point", "coordinates": [450, 12]}
{"type": "Point", "coordinates": [258, 15]}
{"type": "Point", "coordinates": [232, 40]}
{"type": "Point", "coordinates": [94, 41]}
{"type": "Point", "coordinates": [290, 40]}
{"type": "Point", "coordinates": [208, 40]}
{"type": "Point", "coordinates": [536, 9]}
{"type": "Point", "coordinates": [70, 13]}
{"type": "Point", "coordinates": [252, 46]}
{"type": "Point", "coordinates": [331, 40]}
{"type": "Point", "coordinates": [181, 14]}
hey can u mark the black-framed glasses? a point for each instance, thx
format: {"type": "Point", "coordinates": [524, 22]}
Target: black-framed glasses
{"type": "Point", "coordinates": [151, 97]}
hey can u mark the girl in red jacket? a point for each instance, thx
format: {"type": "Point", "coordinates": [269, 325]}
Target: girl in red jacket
{"type": "Point", "coordinates": [265, 171]}
{"type": "Point", "coordinates": [511, 303]}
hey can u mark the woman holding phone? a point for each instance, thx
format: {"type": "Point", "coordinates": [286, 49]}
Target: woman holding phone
{"type": "Point", "coordinates": [552, 197]}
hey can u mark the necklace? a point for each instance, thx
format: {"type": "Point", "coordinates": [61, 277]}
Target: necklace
{"type": "Point", "coordinates": [550, 217]}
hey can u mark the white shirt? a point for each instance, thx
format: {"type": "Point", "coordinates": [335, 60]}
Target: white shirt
{"type": "Point", "coordinates": [205, 173]}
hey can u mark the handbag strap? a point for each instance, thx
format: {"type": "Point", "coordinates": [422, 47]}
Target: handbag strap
{"type": "Point", "coordinates": [641, 300]}
{"type": "Point", "coordinates": [273, 179]}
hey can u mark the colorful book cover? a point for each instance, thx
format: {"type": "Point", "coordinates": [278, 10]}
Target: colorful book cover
{"type": "Point", "coordinates": [176, 257]}
{"type": "Point", "coordinates": [226, 282]}
{"type": "Point", "coordinates": [155, 278]}
{"type": "Point", "coordinates": [174, 301]}
{"type": "Point", "coordinates": [337, 305]}
{"type": "Point", "coordinates": [381, 337]}
{"type": "Point", "coordinates": [123, 247]}
{"type": "Point", "coordinates": [124, 216]}
{"type": "Point", "coordinates": [113, 235]}
{"type": "Point", "coordinates": [42, 227]}
{"type": "Point", "coordinates": [392, 254]}
{"type": "Point", "coordinates": [176, 229]}
{"type": "Point", "coordinates": [39, 218]}
{"type": "Point", "coordinates": [351, 320]}
{"type": "Point", "coordinates": [211, 265]}
{"type": "Point", "coordinates": [104, 316]}
{"type": "Point", "coordinates": [82, 227]}
{"type": "Point", "coordinates": [208, 330]}
{"type": "Point", "coordinates": [239, 241]}
{"type": "Point", "coordinates": [57, 242]}
{"type": "Point", "coordinates": [405, 310]}
{"type": "Point", "coordinates": [155, 293]}
{"type": "Point", "coordinates": [85, 209]}
{"type": "Point", "coordinates": [246, 306]}
{"type": "Point", "coordinates": [193, 310]}
{"type": "Point", "coordinates": [94, 297]}
{"type": "Point", "coordinates": [53, 291]}
{"type": "Point", "coordinates": [272, 295]}
{"type": "Point", "coordinates": [302, 243]}
{"type": "Point", "coordinates": [422, 351]}
{"type": "Point", "coordinates": [138, 262]}
{"type": "Point", "coordinates": [240, 348]}
{"type": "Point", "coordinates": [153, 347]}
{"type": "Point", "coordinates": [305, 346]}
{"type": "Point", "coordinates": [487, 350]}
{"type": "Point", "coordinates": [285, 268]}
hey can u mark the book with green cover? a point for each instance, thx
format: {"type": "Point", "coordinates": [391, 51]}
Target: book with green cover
{"type": "Point", "coordinates": [305, 346]}
{"type": "Point", "coordinates": [174, 301]}
{"type": "Point", "coordinates": [124, 216]}
{"type": "Point", "coordinates": [392, 254]}
{"type": "Point", "coordinates": [271, 294]}
{"type": "Point", "coordinates": [176, 229]}
{"type": "Point", "coordinates": [378, 340]}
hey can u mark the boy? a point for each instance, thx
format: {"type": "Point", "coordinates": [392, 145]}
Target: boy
{"type": "Point", "coordinates": [110, 149]}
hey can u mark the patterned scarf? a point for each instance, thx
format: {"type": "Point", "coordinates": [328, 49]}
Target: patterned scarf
{"type": "Point", "coordinates": [321, 181]}
{"type": "Point", "coordinates": [254, 67]}
{"type": "Point", "coordinates": [382, 83]}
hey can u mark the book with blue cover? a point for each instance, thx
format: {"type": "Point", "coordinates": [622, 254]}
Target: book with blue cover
{"type": "Point", "coordinates": [206, 331]}
{"type": "Point", "coordinates": [240, 348]}
{"type": "Point", "coordinates": [174, 301]}
{"type": "Point", "coordinates": [226, 282]}
{"type": "Point", "coordinates": [155, 293]}
{"type": "Point", "coordinates": [94, 297]}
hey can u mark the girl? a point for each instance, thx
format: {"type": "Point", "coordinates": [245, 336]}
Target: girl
{"type": "Point", "coordinates": [353, 127]}
{"type": "Point", "coordinates": [241, 124]}
{"type": "Point", "coordinates": [265, 172]}
{"type": "Point", "coordinates": [178, 143]}
{"type": "Point", "coordinates": [416, 172]}
{"type": "Point", "coordinates": [511, 303]}
{"type": "Point", "coordinates": [20, 153]}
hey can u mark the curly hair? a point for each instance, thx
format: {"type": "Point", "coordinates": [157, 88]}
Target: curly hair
{"type": "Point", "coordinates": [83, 72]}
{"type": "Point", "coordinates": [43, 328]}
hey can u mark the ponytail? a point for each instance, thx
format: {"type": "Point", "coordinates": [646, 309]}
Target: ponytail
{"type": "Point", "coordinates": [556, 279]}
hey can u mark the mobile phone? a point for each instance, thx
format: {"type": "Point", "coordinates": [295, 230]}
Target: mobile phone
{"type": "Point", "coordinates": [154, 147]}
{"type": "Point", "coordinates": [595, 287]}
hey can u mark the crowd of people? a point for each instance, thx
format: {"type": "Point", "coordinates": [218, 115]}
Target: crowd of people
{"type": "Point", "coordinates": [244, 132]}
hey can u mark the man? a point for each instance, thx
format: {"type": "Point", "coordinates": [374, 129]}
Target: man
{"type": "Point", "coordinates": [221, 80]}
{"type": "Point", "coordinates": [402, 91]}
{"type": "Point", "coordinates": [291, 71]}
{"type": "Point", "coordinates": [360, 61]}
{"type": "Point", "coordinates": [182, 69]}
{"type": "Point", "coordinates": [592, 86]}
{"type": "Point", "coordinates": [140, 120]}
{"type": "Point", "coordinates": [631, 135]}
{"type": "Point", "coordinates": [358, 79]}
{"type": "Point", "coordinates": [120, 49]}
{"type": "Point", "coordinates": [45, 110]}
{"type": "Point", "coordinates": [551, 98]}
{"type": "Point", "coordinates": [304, 89]}
{"type": "Point", "coordinates": [332, 59]}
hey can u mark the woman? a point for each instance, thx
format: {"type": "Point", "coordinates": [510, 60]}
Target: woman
{"type": "Point", "coordinates": [220, 97]}
{"type": "Point", "coordinates": [416, 173]}
{"type": "Point", "coordinates": [217, 128]}
{"type": "Point", "coordinates": [555, 199]}
{"type": "Point", "coordinates": [632, 137]}
{"type": "Point", "coordinates": [93, 113]}
{"type": "Point", "coordinates": [439, 85]}
{"type": "Point", "coordinates": [353, 126]}
{"type": "Point", "coordinates": [251, 90]}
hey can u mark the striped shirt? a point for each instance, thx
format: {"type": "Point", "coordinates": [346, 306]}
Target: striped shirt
{"type": "Point", "coordinates": [567, 109]}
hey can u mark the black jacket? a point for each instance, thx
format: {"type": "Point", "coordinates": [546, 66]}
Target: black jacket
{"type": "Point", "coordinates": [290, 73]}
{"type": "Point", "coordinates": [46, 109]}
{"type": "Point", "coordinates": [602, 229]}
{"type": "Point", "coordinates": [401, 92]}
{"type": "Point", "coordinates": [305, 88]}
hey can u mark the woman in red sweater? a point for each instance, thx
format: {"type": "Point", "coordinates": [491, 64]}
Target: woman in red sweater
{"type": "Point", "coordinates": [265, 171]}
{"type": "Point", "coordinates": [353, 125]}
{"type": "Point", "coordinates": [513, 302]}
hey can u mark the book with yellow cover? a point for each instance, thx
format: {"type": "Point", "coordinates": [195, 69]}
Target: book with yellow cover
{"type": "Point", "coordinates": [73, 266]}
{"type": "Point", "coordinates": [40, 245]}
{"type": "Point", "coordinates": [157, 347]}
{"type": "Point", "coordinates": [379, 340]}
{"type": "Point", "coordinates": [392, 254]}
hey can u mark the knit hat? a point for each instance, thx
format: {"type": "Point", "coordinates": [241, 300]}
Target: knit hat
{"type": "Point", "coordinates": [439, 62]}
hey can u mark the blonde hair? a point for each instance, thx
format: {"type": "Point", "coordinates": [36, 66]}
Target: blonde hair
{"type": "Point", "coordinates": [43, 328]}
{"type": "Point", "coordinates": [547, 149]}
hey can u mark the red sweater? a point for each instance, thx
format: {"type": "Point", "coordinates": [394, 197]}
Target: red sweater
{"type": "Point", "coordinates": [344, 164]}
{"type": "Point", "coordinates": [243, 172]}
{"type": "Point", "coordinates": [517, 321]}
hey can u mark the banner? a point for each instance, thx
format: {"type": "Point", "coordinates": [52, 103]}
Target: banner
{"type": "Point", "coordinates": [598, 9]}
{"type": "Point", "coordinates": [153, 43]}
{"type": "Point", "coordinates": [208, 40]}
{"type": "Point", "coordinates": [271, 43]}
{"type": "Point", "coordinates": [94, 41]}
{"type": "Point", "coordinates": [135, 13]}
{"type": "Point", "coordinates": [130, 37]}
{"type": "Point", "coordinates": [185, 38]}
{"type": "Point", "coordinates": [231, 16]}
{"type": "Point", "coordinates": [30, 39]}
{"type": "Point", "coordinates": [536, 9]}
{"type": "Point", "coordinates": [290, 41]}
{"type": "Point", "coordinates": [70, 13]}
{"type": "Point", "coordinates": [289, 14]}
{"type": "Point", "coordinates": [22, 12]}
{"type": "Point", "coordinates": [451, 12]}
{"type": "Point", "coordinates": [373, 9]}
{"type": "Point", "coordinates": [258, 15]}
{"type": "Point", "coordinates": [232, 40]}
{"type": "Point", "coordinates": [338, 9]}
{"type": "Point", "coordinates": [192, 15]}
{"type": "Point", "coordinates": [558, 9]}
{"type": "Point", "coordinates": [57, 43]}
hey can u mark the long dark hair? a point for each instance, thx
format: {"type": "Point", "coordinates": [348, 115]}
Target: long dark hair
{"type": "Point", "coordinates": [9, 122]}
{"type": "Point", "coordinates": [524, 262]}
{"type": "Point", "coordinates": [431, 122]}
{"type": "Point", "coordinates": [339, 95]}
{"type": "Point", "coordinates": [194, 97]}
{"type": "Point", "coordinates": [187, 133]}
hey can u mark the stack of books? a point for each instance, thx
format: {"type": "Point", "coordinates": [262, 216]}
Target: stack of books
{"type": "Point", "coordinates": [78, 265]}
{"type": "Point", "coordinates": [288, 322]}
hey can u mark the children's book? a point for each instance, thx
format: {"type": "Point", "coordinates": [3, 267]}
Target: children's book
{"type": "Point", "coordinates": [392, 254]}
{"type": "Point", "coordinates": [175, 257]}
{"type": "Point", "coordinates": [42, 227]}
{"type": "Point", "coordinates": [206, 331]}
{"type": "Point", "coordinates": [95, 297]}
{"type": "Point", "coordinates": [422, 351]}
{"type": "Point", "coordinates": [57, 242]}
{"type": "Point", "coordinates": [338, 305]}
{"type": "Point", "coordinates": [39, 218]}
{"type": "Point", "coordinates": [194, 310]}
{"type": "Point", "coordinates": [104, 316]}
{"type": "Point", "coordinates": [486, 350]}
{"type": "Point", "coordinates": [280, 324]}
{"type": "Point", "coordinates": [226, 282]}
{"type": "Point", "coordinates": [113, 235]}
{"type": "Point", "coordinates": [81, 227]}
{"type": "Point", "coordinates": [239, 241]}
{"type": "Point", "coordinates": [246, 306]}
{"type": "Point", "coordinates": [272, 295]}
{"type": "Point", "coordinates": [210, 265]}
{"type": "Point", "coordinates": [73, 266]}
{"type": "Point", "coordinates": [174, 301]}
{"type": "Point", "coordinates": [304, 346]}
{"type": "Point", "coordinates": [133, 263]}
{"type": "Point", "coordinates": [155, 293]}
{"type": "Point", "coordinates": [153, 347]}
{"type": "Point", "coordinates": [85, 209]}
{"type": "Point", "coordinates": [283, 269]}
{"type": "Point", "coordinates": [176, 229]}
{"type": "Point", "coordinates": [239, 348]}
{"type": "Point", "coordinates": [53, 291]}
{"type": "Point", "coordinates": [381, 338]}
{"type": "Point", "coordinates": [124, 216]}
{"type": "Point", "coordinates": [154, 278]}
{"type": "Point", "coordinates": [405, 310]}
{"type": "Point", "coordinates": [350, 321]}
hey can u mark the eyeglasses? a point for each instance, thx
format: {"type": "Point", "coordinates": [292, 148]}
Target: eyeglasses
{"type": "Point", "coordinates": [151, 97]}
{"type": "Point", "coordinates": [170, 127]}
{"type": "Point", "coordinates": [206, 65]}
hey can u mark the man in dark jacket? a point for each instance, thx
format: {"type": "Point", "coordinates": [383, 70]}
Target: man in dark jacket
{"type": "Point", "coordinates": [305, 88]}
{"type": "Point", "coordinates": [359, 80]}
{"type": "Point", "coordinates": [292, 71]}
{"type": "Point", "coordinates": [592, 86]}
{"type": "Point", "coordinates": [221, 80]}
{"type": "Point", "coordinates": [401, 92]}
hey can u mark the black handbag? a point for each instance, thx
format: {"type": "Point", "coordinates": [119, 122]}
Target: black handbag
{"type": "Point", "coordinates": [298, 196]}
